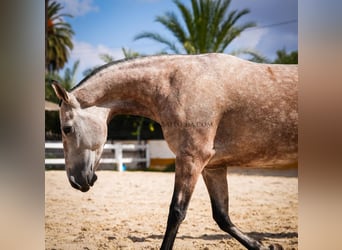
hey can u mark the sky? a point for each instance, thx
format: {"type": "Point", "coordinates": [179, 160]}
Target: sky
{"type": "Point", "coordinates": [107, 26]}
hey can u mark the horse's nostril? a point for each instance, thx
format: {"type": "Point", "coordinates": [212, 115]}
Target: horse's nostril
{"type": "Point", "coordinates": [92, 181]}
{"type": "Point", "coordinates": [74, 183]}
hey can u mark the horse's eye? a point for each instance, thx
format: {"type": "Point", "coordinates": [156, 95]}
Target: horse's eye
{"type": "Point", "coordinates": [67, 129]}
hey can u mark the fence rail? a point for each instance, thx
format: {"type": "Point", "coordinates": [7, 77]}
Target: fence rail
{"type": "Point", "coordinates": [117, 158]}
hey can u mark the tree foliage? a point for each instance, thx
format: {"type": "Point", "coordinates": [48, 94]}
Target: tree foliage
{"type": "Point", "coordinates": [58, 37]}
{"type": "Point", "coordinates": [68, 80]}
{"type": "Point", "coordinates": [208, 26]}
{"type": "Point", "coordinates": [284, 58]}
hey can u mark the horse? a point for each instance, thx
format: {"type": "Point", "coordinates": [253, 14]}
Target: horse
{"type": "Point", "coordinates": [215, 111]}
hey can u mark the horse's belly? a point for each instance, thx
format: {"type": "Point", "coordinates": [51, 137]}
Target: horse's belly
{"type": "Point", "coordinates": [254, 143]}
{"type": "Point", "coordinates": [248, 161]}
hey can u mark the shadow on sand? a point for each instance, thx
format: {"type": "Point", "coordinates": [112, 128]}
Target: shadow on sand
{"type": "Point", "coordinates": [255, 235]}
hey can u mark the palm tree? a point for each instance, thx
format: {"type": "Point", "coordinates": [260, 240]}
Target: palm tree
{"type": "Point", "coordinates": [128, 53]}
{"type": "Point", "coordinates": [58, 37]}
{"type": "Point", "coordinates": [209, 27]}
{"type": "Point", "coordinates": [106, 58]}
{"type": "Point", "coordinates": [286, 58]}
{"type": "Point", "coordinates": [67, 81]}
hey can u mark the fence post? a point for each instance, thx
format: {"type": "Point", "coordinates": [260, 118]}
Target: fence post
{"type": "Point", "coordinates": [118, 156]}
{"type": "Point", "coordinates": [147, 155]}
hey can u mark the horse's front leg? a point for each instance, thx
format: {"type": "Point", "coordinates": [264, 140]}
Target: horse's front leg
{"type": "Point", "coordinates": [188, 169]}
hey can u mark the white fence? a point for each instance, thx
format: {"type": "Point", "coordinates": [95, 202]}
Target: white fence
{"type": "Point", "coordinates": [117, 158]}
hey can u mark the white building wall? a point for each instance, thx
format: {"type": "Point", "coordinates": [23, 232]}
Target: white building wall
{"type": "Point", "coordinates": [160, 150]}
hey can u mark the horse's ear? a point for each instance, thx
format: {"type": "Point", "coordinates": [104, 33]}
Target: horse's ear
{"type": "Point", "coordinates": [64, 95]}
{"type": "Point", "coordinates": [61, 93]}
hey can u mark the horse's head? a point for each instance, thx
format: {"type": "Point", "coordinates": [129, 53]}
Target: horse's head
{"type": "Point", "coordinates": [84, 133]}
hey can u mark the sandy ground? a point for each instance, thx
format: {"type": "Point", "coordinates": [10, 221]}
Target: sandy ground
{"type": "Point", "coordinates": [129, 210]}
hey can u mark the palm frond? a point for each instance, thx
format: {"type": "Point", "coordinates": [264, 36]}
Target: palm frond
{"type": "Point", "coordinates": [255, 55]}
{"type": "Point", "coordinates": [170, 21]}
{"type": "Point", "coordinates": [207, 26]}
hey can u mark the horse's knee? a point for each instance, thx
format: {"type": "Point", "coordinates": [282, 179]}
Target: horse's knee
{"type": "Point", "coordinates": [180, 215]}
{"type": "Point", "coordinates": [177, 214]}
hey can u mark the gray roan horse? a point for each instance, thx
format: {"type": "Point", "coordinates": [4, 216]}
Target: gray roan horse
{"type": "Point", "coordinates": [215, 111]}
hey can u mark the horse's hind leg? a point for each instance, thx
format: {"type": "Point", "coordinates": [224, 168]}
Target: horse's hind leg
{"type": "Point", "coordinates": [216, 182]}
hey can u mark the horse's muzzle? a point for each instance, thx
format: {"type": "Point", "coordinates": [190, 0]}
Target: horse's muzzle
{"type": "Point", "coordinates": [83, 184]}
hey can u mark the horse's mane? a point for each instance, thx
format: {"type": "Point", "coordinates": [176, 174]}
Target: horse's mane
{"type": "Point", "coordinates": [100, 68]}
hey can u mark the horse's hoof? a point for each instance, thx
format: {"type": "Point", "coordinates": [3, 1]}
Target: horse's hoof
{"type": "Point", "coordinates": [275, 247]}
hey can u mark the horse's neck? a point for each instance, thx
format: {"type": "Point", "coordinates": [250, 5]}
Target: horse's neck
{"type": "Point", "coordinates": [124, 89]}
